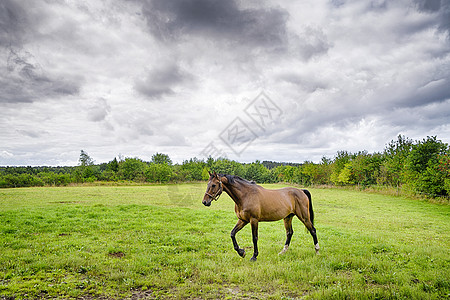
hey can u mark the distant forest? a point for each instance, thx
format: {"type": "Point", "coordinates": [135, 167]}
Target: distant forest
{"type": "Point", "coordinates": [420, 167]}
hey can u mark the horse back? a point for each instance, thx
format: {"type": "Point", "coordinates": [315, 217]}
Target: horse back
{"type": "Point", "coordinates": [278, 204]}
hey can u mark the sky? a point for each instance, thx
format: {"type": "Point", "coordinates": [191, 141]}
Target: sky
{"type": "Point", "coordinates": [289, 81]}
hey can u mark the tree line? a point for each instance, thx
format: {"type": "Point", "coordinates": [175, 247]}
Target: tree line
{"type": "Point", "coordinates": [414, 166]}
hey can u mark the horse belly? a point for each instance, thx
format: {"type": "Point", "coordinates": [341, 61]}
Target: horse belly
{"type": "Point", "coordinates": [274, 209]}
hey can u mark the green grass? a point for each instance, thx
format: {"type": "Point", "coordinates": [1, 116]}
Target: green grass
{"type": "Point", "coordinates": [161, 242]}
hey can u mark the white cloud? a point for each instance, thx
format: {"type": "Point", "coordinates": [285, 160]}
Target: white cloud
{"type": "Point", "coordinates": [6, 154]}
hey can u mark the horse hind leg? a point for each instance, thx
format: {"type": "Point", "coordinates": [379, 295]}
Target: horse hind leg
{"type": "Point", "coordinates": [312, 230]}
{"type": "Point", "coordinates": [306, 215]}
{"type": "Point", "coordinates": [289, 232]}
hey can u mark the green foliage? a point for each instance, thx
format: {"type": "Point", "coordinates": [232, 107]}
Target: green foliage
{"type": "Point", "coordinates": [108, 175]}
{"type": "Point", "coordinates": [344, 177]}
{"type": "Point", "coordinates": [132, 169]}
{"type": "Point", "coordinates": [425, 153]}
{"type": "Point", "coordinates": [394, 161]}
{"type": "Point", "coordinates": [54, 179]}
{"type": "Point", "coordinates": [113, 165]}
{"type": "Point", "coordinates": [158, 173]}
{"type": "Point", "coordinates": [193, 169]}
{"type": "Point", "coordinates": [427, 167]}
{"type": "Point", "coordinates": [443, 168]}
{"type": "Point", "coordinates": [160, 158]}
{"type": "Point", "coordinates": [258, 173]}
{"type": "Point", "coordinates": [205, 173]}
{"type": "Point", "coordinates": [290, 174]}
{"type": "Point", "coordinates": [226, 166]}
{"type": "Point", "coordinates": [20, 180]}
{"type": "Point", "coordinates": [341, 162]}
{"type": "Point", "coordinates": [87, 171]}
{"type": "Point", "coordinates": [366, 168]}
{"type": "Point", "coordinates": [315, 173]}
{"type": "Point", "coordinates": [418, 167]}
{"type": "Point", "coordinates": [85, 160]}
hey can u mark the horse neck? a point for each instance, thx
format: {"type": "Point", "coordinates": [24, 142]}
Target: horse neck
{"type": "Point", "coordinates": [236, 191]}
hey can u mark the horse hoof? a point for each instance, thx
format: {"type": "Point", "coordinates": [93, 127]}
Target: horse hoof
{"type": "Point", "coordinates": [283, 251]}
{"type": "Point", "coordinates": [241, 253]}
{"type": "Point", "coordinates": [253, 259]}
{"type": "Point", "coordinates": [316, 247]}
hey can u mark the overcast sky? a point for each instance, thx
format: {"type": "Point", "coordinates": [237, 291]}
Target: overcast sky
{"type": "Point", "coordinates": [250, 80]}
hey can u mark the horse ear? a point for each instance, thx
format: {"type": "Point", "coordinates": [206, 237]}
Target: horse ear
{"type": "Point", "coordinates": [215, 174]}
{"type": "Point", "coordinates": [210, 174]}
{"type": "Point", "coordinates": [224, 179]}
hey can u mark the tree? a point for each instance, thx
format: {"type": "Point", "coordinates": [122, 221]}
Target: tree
{"type": "Point", "coordinates": [345, 175]}
{"type": "Point", "coordinates": [158, 173]}
{"type": "Point", "coordinates": [312, 173]}
{"type": "Point", "coordinates": [85, 160]}
{"type": "Point", "coordinates": [444, 168]}
{"type": "Point", "coordinates": [341, 162]}
{"type": "Point", "coordinates": [229, 167]}
{"type": "Point", "coordinates": [394, 159]}
{"type": "Point", "coordinates": [193, 168]}
{"type": "Point", "coordinates": [257, 172]}
{"type": "Point", "coordinates": [365, 168]}
{"type": "Point", "coordinates": [284, 173]}
{"type": "Point", "coordinates": [160, 158]}
{"type": "Point", "coordinates": [113, 165]}
{"type": "Point", "coordinates": [132, 169]}
{"type": "Point", "coordinates": [205, 173]}
{"type": "Point", "coordinates": [86, 170]}
{"type": "Point", "coordinates": [424, 166]}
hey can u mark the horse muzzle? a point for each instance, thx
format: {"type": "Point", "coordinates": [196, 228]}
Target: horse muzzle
{"type": "Point", "coordinates": [206, 201]}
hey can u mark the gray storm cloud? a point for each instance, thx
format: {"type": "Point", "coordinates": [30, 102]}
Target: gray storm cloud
{"type": "Point", "coordinates": [162, 80]}
{"type": "Point", "coordinates": [139, 77]}
{"type": "Point", "coordinates": [217, 20]}
{"type": "Point", "coordinates": [23, 78]}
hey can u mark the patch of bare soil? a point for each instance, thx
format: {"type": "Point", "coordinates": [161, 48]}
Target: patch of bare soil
{"type": "Point", "coordinates": [118, 254]}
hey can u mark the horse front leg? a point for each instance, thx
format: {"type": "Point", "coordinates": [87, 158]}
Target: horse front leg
{"type": "Point", "coordinates": [289, 233]}
{"type": "Point", "coordinates": [254, 224]}
{"type": "Point", "coordinates": [240, 224]}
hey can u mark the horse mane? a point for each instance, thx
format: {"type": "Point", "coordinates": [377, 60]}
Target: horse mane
{"type": "Point", "coordinates": [236, 179]}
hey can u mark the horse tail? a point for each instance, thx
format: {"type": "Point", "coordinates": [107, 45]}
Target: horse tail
{"type": "Point", "coordinates": [311, 212]}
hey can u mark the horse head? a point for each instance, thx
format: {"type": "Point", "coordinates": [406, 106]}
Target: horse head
{"type": "Point", "coordinates": [213, 190]}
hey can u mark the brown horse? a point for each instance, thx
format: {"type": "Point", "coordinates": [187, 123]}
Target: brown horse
{"type": "Point", "coordinates": [253, 204]}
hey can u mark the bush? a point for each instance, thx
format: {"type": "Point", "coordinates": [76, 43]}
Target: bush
{"type": "Point", "coordinates": [415, 167]}
{"type": "Point", "coordinates": [20, 180]}
{"type": "Point", "coordinates": [427, 167]}
{"type": "Point", "coordinates": [257, 172]}
{"type": "Point", "coordinates": [50, 178]}
{"type": "Point", "coordinates": [132, 169]}
{"type": "Point", "coordinates": [158, 173]}
{"type": "Point", "coordinates": [192, 169]}
{"type": "Point", "coordinates": [226, 166]}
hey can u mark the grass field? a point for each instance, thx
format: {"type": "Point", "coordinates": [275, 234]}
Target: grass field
{"type": "Point", "coordinates": [137, 242]}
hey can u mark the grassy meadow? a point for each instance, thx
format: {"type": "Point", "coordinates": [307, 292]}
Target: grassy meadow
{"type": "Point", "coordinates": [159, 241]}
